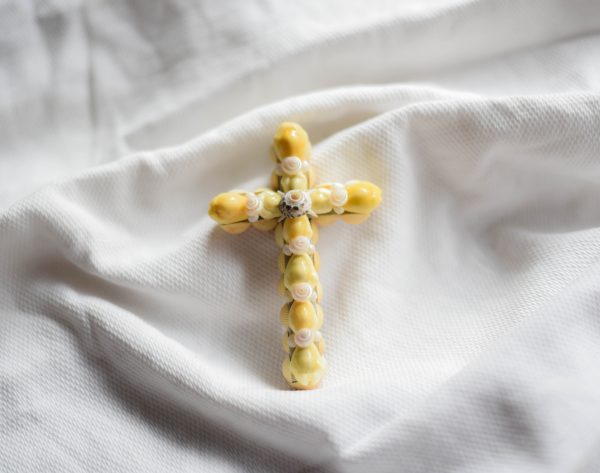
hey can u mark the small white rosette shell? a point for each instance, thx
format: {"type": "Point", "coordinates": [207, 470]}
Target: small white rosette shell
{"type": "Point", "coordinates": [302, 292]}
{"type": "Point", "coordinates": [253, 207]}
{"type": "Point", "coordinates": [338, 197]}
{"type": "Point", "coordinates": [299, 246]}
{"type": "Point", "coordinates": [291, 166]}
{"type": "Point", "coordinates": [304, 337]}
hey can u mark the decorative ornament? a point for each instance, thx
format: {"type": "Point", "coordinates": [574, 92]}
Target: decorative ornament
{"type": "Point", "coordinates": [291, 209]}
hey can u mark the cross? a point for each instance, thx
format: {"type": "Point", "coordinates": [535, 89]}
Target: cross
{"type": "Point", "coordinates": [291, 208]}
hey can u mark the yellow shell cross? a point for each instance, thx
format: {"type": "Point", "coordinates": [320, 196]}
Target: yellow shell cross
{"type": "Point", "coordinates": [292, 208]}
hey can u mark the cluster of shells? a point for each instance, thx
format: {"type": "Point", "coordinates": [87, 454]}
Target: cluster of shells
{"type": "Point", "coordinates": [301, 315]}
{"type": "Point", "coordinates": [292, 208]}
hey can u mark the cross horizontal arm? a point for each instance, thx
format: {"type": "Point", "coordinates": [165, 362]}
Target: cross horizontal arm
{"type": "Point", "coordinates": [238, 210]}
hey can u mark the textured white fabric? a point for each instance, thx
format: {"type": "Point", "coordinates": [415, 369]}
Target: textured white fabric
{"type": "Point", "coordinates": [462, 319]}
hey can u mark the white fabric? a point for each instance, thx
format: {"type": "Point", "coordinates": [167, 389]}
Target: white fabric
{"type": "Point", "coordinates": [462, 319]}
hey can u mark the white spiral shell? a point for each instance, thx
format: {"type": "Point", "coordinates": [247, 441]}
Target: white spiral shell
{"type": "Point", "coordinates": [338, 197]}
{"type": "Point", "coordinates": [302, 292]}
{"type": "Point", "coordinates": [254, 205]}
{"type": "Point", "coordinates": [304, 337]}
{"type": "Point", "coordinates": [300, 245]}
{"type": "Point", "coordinates": [291, 165]}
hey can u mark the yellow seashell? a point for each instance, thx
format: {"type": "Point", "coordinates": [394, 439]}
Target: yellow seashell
{"type": "Point", "coordinates": [286, 370]}
{"type": "Point", "coordinates": [274, 181]}
{"type": "Point", "coordinates": [229, 207]}
{"type": "Point", "coordinates": [300, 269]}
{"type": "Point", "coordinates": [307, 365]}
{"type": "Point", "coordinates": [354, 219]}
{"type": "Point", "coordinates": [302, 315]}
{"type": "Point", "coordinates": [291, 140]}
{"type": "Point", "coordinates": [321, 346]}
{"type": "Point", "coordinates": [315, 229]}
{"type": "Point", "coordinates": [282, 289]}
{"type": "Point", "coordinates": [320, 317]}
{"type": "Point", "coordinates": [285, 342]}
{"type": "Point", "coordinates": [279, 235]}
{"type": "Point", "coordinates": [235, 228]}
{"type": "Point", "coordinates": [312, 177]}
{"type": "Point", "coordinates": [273, 154]}
{"type": "Point", "coordinates": [270, 200]}
{"type": "Point", "coordinates": [328, 219]}
{"type": "Point", "coordinates": [284, 314]}
{"type": "Point", "coordinates": [281, 263]}
{"type": "Point", "coordinates": [295, 227]}
{"type": "Point", "coordinates": [319, 290]}
{"type": "Point", "coordinates": [265, 225]}
{"type": "Point", "coordinates": [299, 181]}
{"type": "Point", "coordinates": [320, 200]}
{"type": "Point", "coordinates": [316, 261]}
{"type": "Point", "coordinates": [363, 197]}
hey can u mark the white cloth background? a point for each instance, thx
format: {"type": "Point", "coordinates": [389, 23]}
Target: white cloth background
{"type": "Point", "coordinates": [462, 319]}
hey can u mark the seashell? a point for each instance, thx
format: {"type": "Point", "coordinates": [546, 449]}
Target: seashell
{"type": "Point", "coordinates": [315, 231]}
{"type": "Point", "coordinates": [281, 262]}
{"type": "Point", "coordinates": [235, 228]}
{"type": "Point", "coordinates": [301, 292]}
{"type": "Point", "coordinates": [287, 371]}
{"type": "Point", "coordinates": [338, 195]}
{"type": "Point", "coordinates": [291, 165]}
{"type": "Point", "coordinates": [307, 365]}
{"type": "Point", "coordinates": [285, 342]}
{"type": "Point", "coordinates": [302, 314]}
{"type": "Point", "coordinates": [319, 292]}
{"type": "Point", "coordinates": [295, 227]}
{"type": "Point", "coordinates": [274, 181]}
{"type": "Point", "coordinates": [363, 197]}
{"type": "Point", "coordinates": [300, 269]}
{"type": "Point", "coordinates": [321, 204]}
{"type": "Point", "coordinates": [319, 312]}
{"type": "Point", "coordinates": [254, 205]}
{"type": "Point", "coordinates": [229, 207]}
{"type": "Point", "coordinates": [301, 245]}
{"type": "Point", "coordinates": [273, 154]}
{"type": "Point", "coordinates": [265, 225]}
{"type": "Point", "coordinates": [296, 182]}
{"type": "Point", "coordinates": [291, 140]}
{"type": "Point", "coordinates": [354, 219]}
{"type": "Point", "coordinates": [284, 314]}
{"type": "Point", "coordinates": [328, 219]}
{"type": "Point", "coordinates": [279, 235]}
{"type": "Point", "coordinates": [295, 203]}
{"type": "Point", "coordinates": [282, 289]}
{"type": "Point", "coordinates": [291, 340]}
{"type": "Point", "coordinates": [270, 204]}
{"type": "Point", "coordinates": [316, 260]}
{"type": "Point", "coordinates": [303, 337]}
{"type": "Point", "coordinates": [312, 177]}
